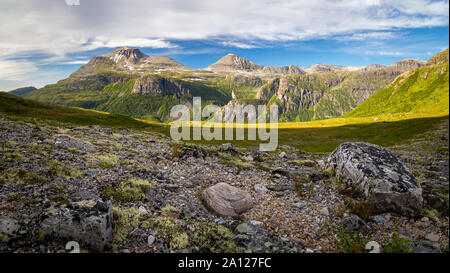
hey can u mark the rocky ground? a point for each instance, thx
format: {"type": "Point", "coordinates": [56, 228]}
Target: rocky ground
{"type": "Point", "coordinates": [117, 190]}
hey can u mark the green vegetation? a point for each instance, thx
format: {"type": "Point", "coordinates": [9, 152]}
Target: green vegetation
{"type": "Point", "coordinates": [125, 220]}
{"type": "Point", "coordinates": [23, 109]}
{"type": "Point", "coordinates": [346, 242]}
{"type": "Point", "coordinates": [397, 245]}
{"type": "Point", "coordinates": [422, 90]}
{"type": "Point", "coordinates": [21, 176]}
{"type": "Point", "coordinates": [57, 169]}
{"type": "Point", "coordinates": [107, 160]}
{"type": "Point", "coordinates": [134, 189]}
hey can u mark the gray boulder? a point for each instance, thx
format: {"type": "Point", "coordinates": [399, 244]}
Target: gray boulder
{"type": "Point", "coordinates": [353, 224]}
{"type": "Point", "coordinates": [226, 200]}
{"type": "Point", "coordinates": [386, 184]}
{"type": "Point", "coordinates": [90, 223]}
{"type": "Point", "coordinates": [9, 226]}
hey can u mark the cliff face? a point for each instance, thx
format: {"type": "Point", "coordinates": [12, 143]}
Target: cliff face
{"type": "Point", "coordinates": [160, 86]}
{"type": "Point", "coordinates": [324, 95]}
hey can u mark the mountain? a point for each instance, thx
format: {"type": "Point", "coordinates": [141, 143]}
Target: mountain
{"type": "Point", "coordinates": [127, 59]}
{"type": "Point", "coordinates": [231, 62]}
{"type": "Point", "coordinates": [22, 91]}
{"type": "Point", "coordinates": [421, 90]}
{"type": "Point", "coordinates": [326, 94]}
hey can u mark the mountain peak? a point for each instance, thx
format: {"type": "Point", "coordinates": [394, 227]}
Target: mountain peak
{"type": "Point", "coordinates": [409, 64]}
{"type": "Point", "coordinates": [126, 54]}
{"type": "Point", "coordinates": [232, 62]}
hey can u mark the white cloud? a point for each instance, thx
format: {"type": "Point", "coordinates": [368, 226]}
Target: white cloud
{"type": "Point", "coordinates": [77, 62]}
{"type": "Point", "coordinates": [15, 70]}
{"type": "Point", "coordinates": [385, 53]}
{"type": "Point", "coordinates": [56, 28]}
{"type": "Point", "coordinates": [369, 36]}
{"type": "Point", "coordinates": [237, 44]}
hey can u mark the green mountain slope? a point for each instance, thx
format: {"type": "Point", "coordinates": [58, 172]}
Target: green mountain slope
{"type": "Point", "coordinates": [22, 91]}
{"type": "Point", "coordinates": [19, 108]}
{"type": "Point", "coordinates": [421, 90]}
{"type": "Point", "coordinates": [126, 81]}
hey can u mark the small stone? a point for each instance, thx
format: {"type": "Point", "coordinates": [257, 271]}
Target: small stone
{"type": "Point", "coordinates": [308, 250]}
{"type": "Point", "coordinates": [382, 218]}
{"type": "Point", "coordinates": [150, 240]}
{"type": "Point", "coordinates": [260, 188]}
{"type": "Point", "coordinates": [243, 228]}
{"type": "Point", "coordinates": [255, 223]}
{"type": "Point", "coordinates": [282, 155]}
{"type": "Point", "coordinates": [325, 211]}
{"type": "Point", "coordinates": [432, 237]}
{"type": "Point", "coordinates": [143, 210]}
{"type": "Point", "coordinates": [299, 205]}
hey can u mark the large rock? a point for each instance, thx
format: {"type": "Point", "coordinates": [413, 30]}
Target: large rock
{"type": "Point", "coordinates": [8, 226]}
{"type": "Point", "coordinates": [226, 200]}
{"type": "Point", "coordinates": [380, 177]}
{"type": "Point", "coordinates": [90, 223]}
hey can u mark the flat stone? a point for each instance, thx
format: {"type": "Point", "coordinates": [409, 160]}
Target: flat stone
{"type": "Point", "coordinates": [382, 218]}
{"type": "Point", "coordinates": [9, 226]}
{"type": "Point", "coordinates": [226, 200]}
{"type": "Point", "coordinates": [260, 188]}
{"type": "Point", "coordinates": [434, 237]}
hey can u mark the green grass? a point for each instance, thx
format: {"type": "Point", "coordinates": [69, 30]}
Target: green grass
{"type": "Point", "coordinates": [422, 90]}
{"type": "Point", "coordinates": [326, 139]}
{"type": "Point", "coordinates": [23, 109]}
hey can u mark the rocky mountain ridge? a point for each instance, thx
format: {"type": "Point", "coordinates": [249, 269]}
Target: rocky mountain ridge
{"type": "Point", "coordinates": [126, 81]}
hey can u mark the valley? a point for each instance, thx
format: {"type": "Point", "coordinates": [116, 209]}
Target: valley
{"type": "Point", "coordinates": [90, 159]}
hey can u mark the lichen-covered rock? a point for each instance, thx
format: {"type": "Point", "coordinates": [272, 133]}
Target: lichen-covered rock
{"type": "Point", "coordinates": [226, 200]}
{"type": "Point", "coordinates": [381, 178]}
{"type": "Point", "coordinates": [8, 226]}
{"type": "Point", "coordinates": [87, 222]}
{"type": "Point", "coordinates": [253, 238]}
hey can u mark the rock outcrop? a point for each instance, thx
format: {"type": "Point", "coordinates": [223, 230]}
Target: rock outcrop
{"type": "Point", "coordinates": [226, 200]}
{"type": "Point", "coordinates": [157, 85]}
{"type": "Point", "coordinates": [385, 183]}
{"type": "Point", "coordinates": [89, 223]}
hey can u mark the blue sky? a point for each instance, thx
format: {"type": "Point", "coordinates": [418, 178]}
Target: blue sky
{"type": "Point", "coordinates": [45, 41]}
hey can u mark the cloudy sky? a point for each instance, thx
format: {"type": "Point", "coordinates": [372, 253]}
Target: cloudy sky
{"type": "Point", "coordinates": [44, 41]}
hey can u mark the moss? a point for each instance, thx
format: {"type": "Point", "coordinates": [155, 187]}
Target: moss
{"type": "Point", "coordinates": [305, 162]}
{"type": "Point", "coordinates": [165, 227]}
{"type": "Point", "coordinates": [134, 189]}
{"type": "Point", "coordinates": [179, 241]}
{"type": "Point", "coordinates": [432, 214]}
{"type": "Point", "coordinates": [60, 200]}
{"type": "Point", "coordinates": [170, 209]}
{"type": "Point", "coordinates": [107, 161]}
{"type": "Point", "coordinates": [44, 234]}
{"type": "Point", "coordinates": [56, 169]}
{"type": "Point", "coordinates": [3, 238]}
{"type": "Point", "coordinates": [21, 176]}
{"type": "Point", "coordinates": [125, 220]}
{"type": "Point", "coordinates": [12, 157]}
{"type": "Point", "coordinates": [214, 238]}
{"type": "Point", "coordinates": [397, 245]}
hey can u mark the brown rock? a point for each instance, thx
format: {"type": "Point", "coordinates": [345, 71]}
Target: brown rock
{"type": "Point", "coordinates": [226, 200]}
